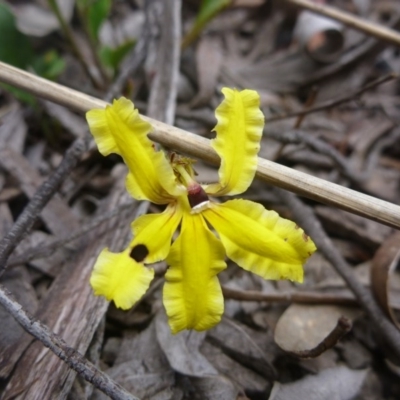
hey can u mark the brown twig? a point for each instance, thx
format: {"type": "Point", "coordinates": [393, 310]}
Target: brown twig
{"type": "Point", "coordinates": [335, 102]}
{"type": "Point", "coordinates": [342, 327]}
{"type": "Point", "coordinates": [370, 28]}
{"type": "Point", "coordinates": [290, 297]}
{"type": "Point", "coordinates": [306, 218]}
{"type": "Point", "coordinates": [69, 355]}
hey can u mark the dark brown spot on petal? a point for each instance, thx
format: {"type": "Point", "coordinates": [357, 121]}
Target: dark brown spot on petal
{"type": "Point", "coordinates": [305, 237]}
{"type": "Point", "coordinates": [139, 252]}
{"type": "Point", "coordinates": [196, 195]}
{"type": "Point", "coordinates": [285, 239]}
{"type": "Point", "coordinates": [296, 227]}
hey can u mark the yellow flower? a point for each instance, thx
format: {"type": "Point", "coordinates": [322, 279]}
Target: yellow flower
{"type": "Point", "coordinates": [256, 239]}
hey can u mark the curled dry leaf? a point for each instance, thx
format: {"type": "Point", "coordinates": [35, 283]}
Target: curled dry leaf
{"type": "Point", "coordinates": [307, 331]}
{"type": "Point", "coordinates": [384, 264]}
{"type": "Point", "coordinates": [321, 37]}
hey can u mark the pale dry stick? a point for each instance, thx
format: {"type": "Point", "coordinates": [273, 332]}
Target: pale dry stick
{"type": "Point", "coordinates": [370, 28]}
{"type": "Point", "coordinates": [69, 355]}
{"type": "Point", "coordinates": [305, 217]}
{"type": "Point", "coordinates": [193, 145]}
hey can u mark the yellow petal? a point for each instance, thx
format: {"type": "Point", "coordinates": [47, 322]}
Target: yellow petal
{"type": "Point", "coordinates": [192, 293]}
{"type": "Point", "coordinates": [239, 131]}
{"type": "Point", "coordinates": [259, 240]}
{"type": "Point", "coordinates": [119, 129]}
{"type": "Point", "coordinates": [155, 232]}
{"type": "Point", "coordinates": [116, 276]}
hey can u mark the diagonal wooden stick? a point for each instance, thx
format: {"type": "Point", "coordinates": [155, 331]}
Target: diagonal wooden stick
{"type": "Point", "coordinates": [369, 27]}
{"type": "Point", "coordinates": [193, 145]}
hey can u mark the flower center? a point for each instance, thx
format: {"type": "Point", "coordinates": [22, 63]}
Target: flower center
{"type": "Point", "coordinates": [198, 198]}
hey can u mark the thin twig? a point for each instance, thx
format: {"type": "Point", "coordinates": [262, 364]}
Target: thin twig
{"type": "Point", "coordinates": [335, 102]}
{"type": "Point", "coordinates": [306, 218]}
{"type": "Point", "coordinates": [45, 192]}
{"type": "Point", "coordinates": [370, 28]}
{"type": "Point", "coordinates": [342, 327]}
{"type": "Point", "coordinates": [193, 145]}
{"type": "Point", "coordinates": [45, 250]}
{"type": "Point", "coordinates": [299, 297]}
{"type": "Point", "coordinates": [321, 147]}
{"type": "Point", "coordinates": [69, 355]}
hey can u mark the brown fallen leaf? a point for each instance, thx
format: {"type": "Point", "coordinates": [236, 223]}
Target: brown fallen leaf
{"type": "Point", "coordinates": [383, 268]}
{"type": "Point", "coordinates": [209, 55]}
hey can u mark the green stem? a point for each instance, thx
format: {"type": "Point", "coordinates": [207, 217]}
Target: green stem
{"type": "Point", "coordinates": [93, 45]}
{"type": "Point", "coordinates": [72, 41]}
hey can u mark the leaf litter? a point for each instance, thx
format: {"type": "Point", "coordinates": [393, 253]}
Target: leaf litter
{"type": "Point", "coordinates": [252, 352]}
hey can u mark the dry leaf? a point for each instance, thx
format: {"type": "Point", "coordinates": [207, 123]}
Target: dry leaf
{"type": "Point", "coordinates": [339, 383]}
{"type": "Point", "coordinates": [384, 264]}
{"type": "Point", "coordinates": [303, 327]}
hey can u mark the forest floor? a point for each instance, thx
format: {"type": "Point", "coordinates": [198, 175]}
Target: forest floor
{"type": "Point", "coordinates": [331, 100]}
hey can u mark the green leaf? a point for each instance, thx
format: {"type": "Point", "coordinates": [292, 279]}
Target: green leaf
{"type": "Point", "coordinates": [19, 94]}
{"type": "Point", "coordinates": [49, 65]}
{"type": "Point", "coordinates": [208, 10]}
{"type": "Point", "coordinates": [113, 57]}
{"type": "Point", "coordinates": [97, 14]}
{"type": "Point", "coordinates": [15, 48]}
